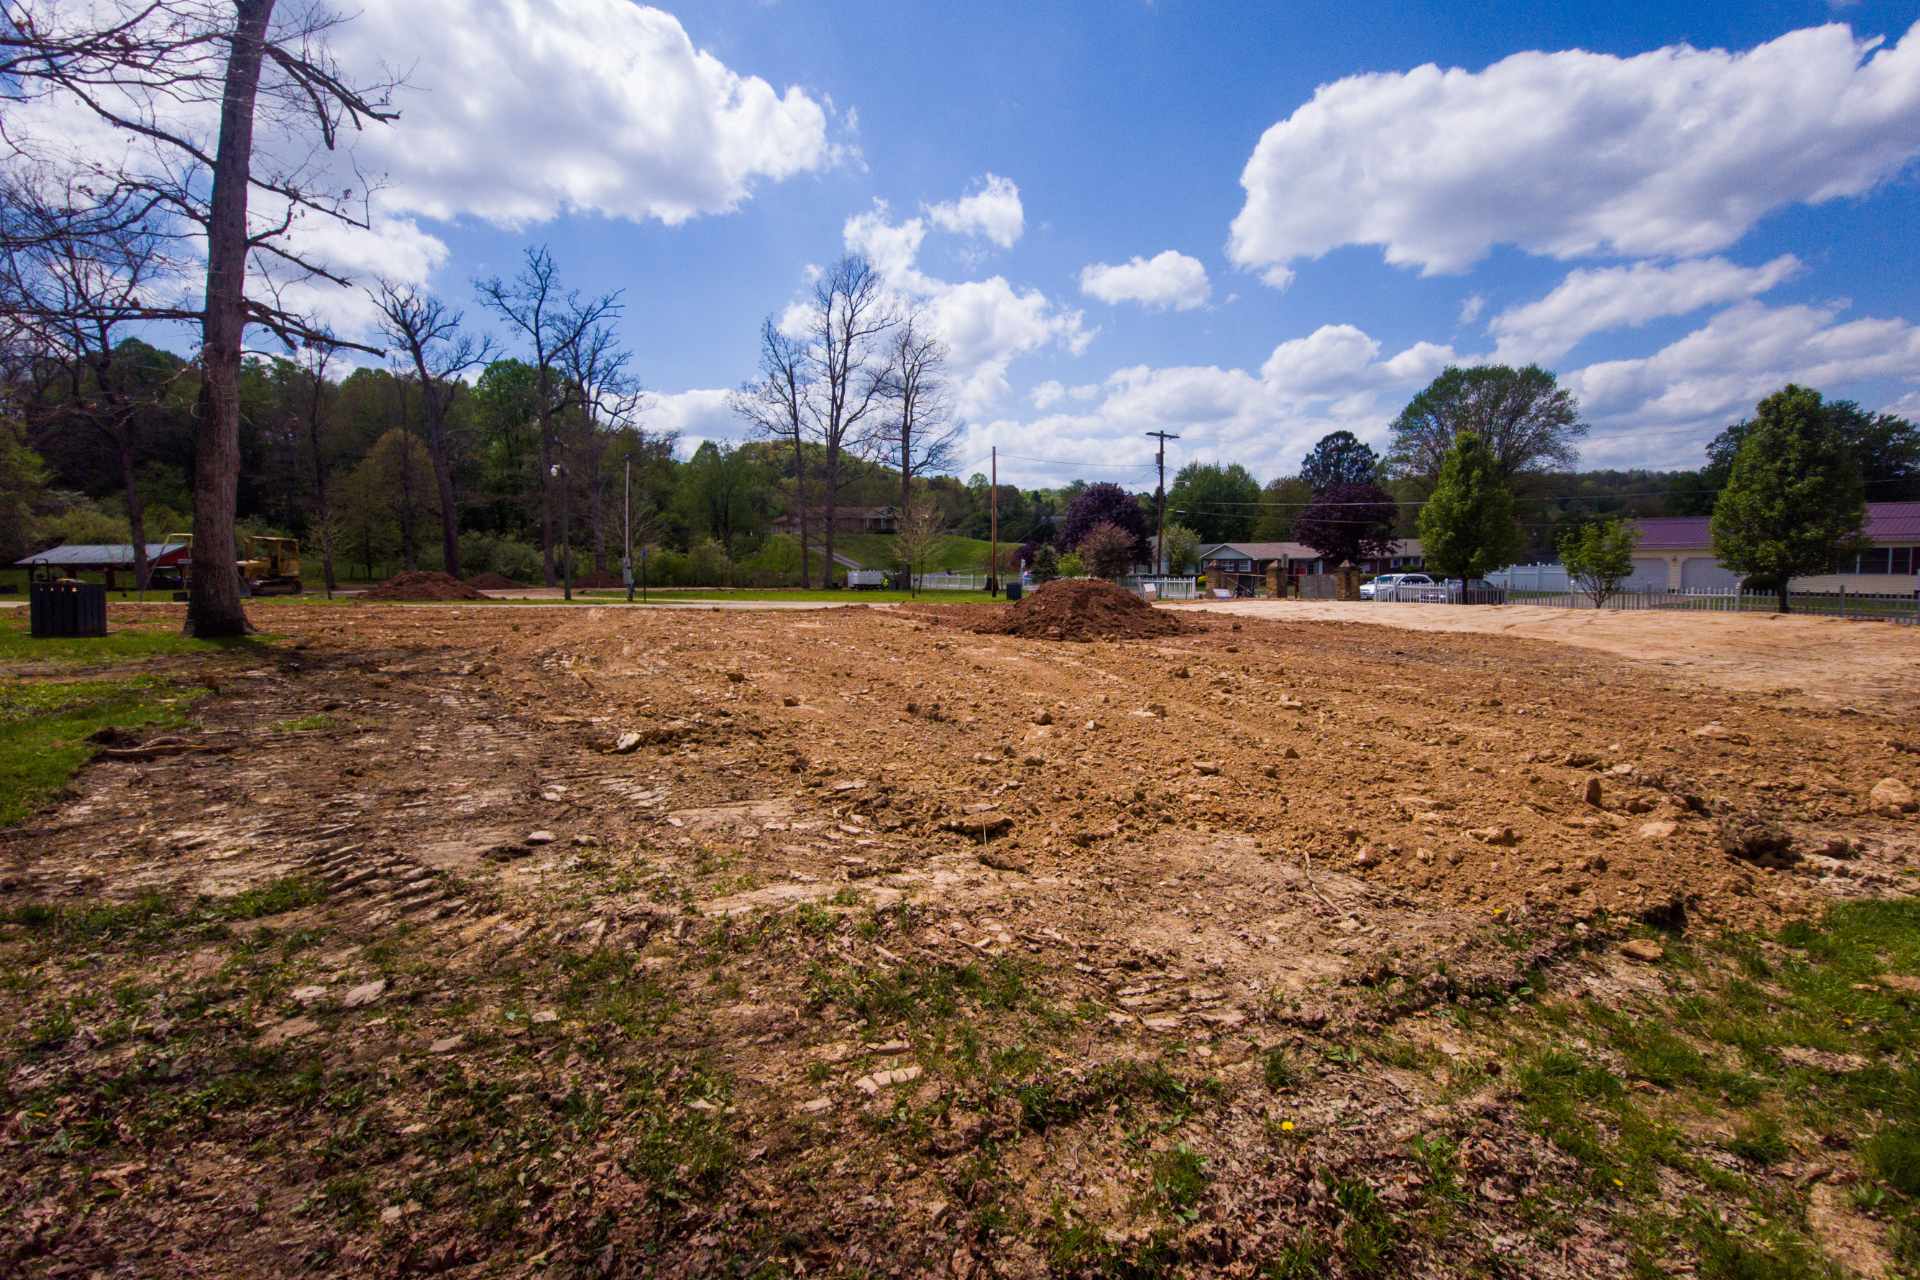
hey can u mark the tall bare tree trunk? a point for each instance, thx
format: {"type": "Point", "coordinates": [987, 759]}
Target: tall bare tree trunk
{"type": "Point", "coordinates": [213, 605]}
{"type": "Point", "coordinates": [800, 500]}
{"type": "Point", "coordinates": [136, 512]}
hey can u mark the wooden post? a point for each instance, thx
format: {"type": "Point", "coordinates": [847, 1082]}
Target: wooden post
{"type": "Point", "coordinates": [993, 522]}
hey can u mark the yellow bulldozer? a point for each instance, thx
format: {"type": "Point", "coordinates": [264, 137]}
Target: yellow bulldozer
{"type": "Point", "coordinates": [268, 566]}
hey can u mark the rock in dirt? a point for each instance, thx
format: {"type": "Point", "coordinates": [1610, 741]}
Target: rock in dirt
{"type": "Point", "coordinates": [308, 995]}
{"type": "Point", "coordinates": [983, 825]}
{"type": "Point", "coordinates": [1592, 793]}
{"type": "Point", "coordinates": [1642, 949]}
{"type": "Point", "coordinates": [365, 994]}
{"type": "Point", "coordinates": [423, 585]}
{"type": "Point", "coordinates": [1891, 797]}
{"type": "Point", "coordinates": [1752, 838]}
{"type": "Point", "coordinates": [881, 1079]}
{"type": "Point", "coordinates": [446, 1044]}
{"type": "Point", "coordinates": [1658, 829]}
{"type": "Point", "coordinates": [1003, 861]}
{"type": "Point", "coordinates": [1081, 609]}
{"type": "Point", "coordinates": [291, 1029]}
{"type": "Point", "coordinates": [626, 744]}
{"type": "Point", "coordinates": [539, 837]}
{"type": "Point", "coordinates": [1503, 836]}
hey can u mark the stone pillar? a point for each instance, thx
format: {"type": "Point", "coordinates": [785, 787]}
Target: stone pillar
{"type": "Point", "coordinates": [1347, 582]}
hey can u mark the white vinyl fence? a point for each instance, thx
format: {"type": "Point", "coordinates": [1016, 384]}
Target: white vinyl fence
{"type": "Point", "coordinates": [1856, 605]}
{"type": "Point", "coordinates": [1163, 588]}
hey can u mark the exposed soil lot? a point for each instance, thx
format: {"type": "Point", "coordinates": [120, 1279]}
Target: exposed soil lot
{"type": "Point", "coordinates": [1855, 663]}
{"type": "Point", "coordinates": [617, 941]}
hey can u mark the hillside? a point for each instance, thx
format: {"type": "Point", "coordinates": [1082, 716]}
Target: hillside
{"type": "Point", "coordinates": [876, 551]}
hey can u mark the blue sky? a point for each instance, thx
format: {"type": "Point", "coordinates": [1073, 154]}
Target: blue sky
{"type": "Point", "coordinates": [1676, 207]}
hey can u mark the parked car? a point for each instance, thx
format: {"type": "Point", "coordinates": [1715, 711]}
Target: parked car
{"type": "Point", "coordinates": [1387, 584]}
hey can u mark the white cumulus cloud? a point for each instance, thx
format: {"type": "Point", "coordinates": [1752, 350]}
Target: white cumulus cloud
{"type": "Point", "coordinates": [994, 212]}
{"type": "Point", "coordinates": [1656, 410]}
{"type": "Point", "coordinates": [1167, 279]}
{"type": "Point", "coordinates": [1595, 300]}
{"type": "Point", "coordinates": [1676, 152]}
{"type": "Point", "coordinates": [986, 324]}
{"type": "Point", "coordinates": [519, 110]}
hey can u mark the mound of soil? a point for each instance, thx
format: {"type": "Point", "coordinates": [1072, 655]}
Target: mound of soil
{"type": "Point", "coordinates": [421, 586]}
{"type": "Point", "coordinates": [1081, 609]}
{"type": "Point", "coordinates": [491, 581]}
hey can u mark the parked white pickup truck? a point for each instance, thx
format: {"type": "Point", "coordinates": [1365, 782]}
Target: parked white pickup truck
{"type": "Point", "coordinates": [866, 579]}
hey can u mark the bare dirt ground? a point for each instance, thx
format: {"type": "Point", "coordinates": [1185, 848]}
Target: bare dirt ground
{"type": "Point", "coordinates": [852, 942]}
{"type": "Point", "coordinates": [1838, 661]}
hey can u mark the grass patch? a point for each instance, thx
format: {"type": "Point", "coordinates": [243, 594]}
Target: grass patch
{"type": "Point", "coordinates": [124, 642]}
{"type": "Point", "coordinates": [44, 729]}
{"type": "Point", "coordinates": [156, 916]}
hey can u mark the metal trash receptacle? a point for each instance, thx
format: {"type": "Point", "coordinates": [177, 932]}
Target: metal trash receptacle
{"type": "Point", "coordinates": [67, 609]}
{"type": "Point", "coordinates": [1013, 590]}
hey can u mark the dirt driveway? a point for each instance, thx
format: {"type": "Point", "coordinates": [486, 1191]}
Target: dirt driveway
{"type": "Point", "coordinates": [1825, 659]}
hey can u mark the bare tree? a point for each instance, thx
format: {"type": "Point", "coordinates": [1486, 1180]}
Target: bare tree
{"type": "Point", "coordinates": [609, 399]}
{"type": "Point", "coordinates": [772, 405]}
{"type": "Point", "coordinates": [428, 334]}
{"type": "Point", "coordinates": [847, 327]}
{"type": "Point", "coordinates": [919, 433]}
{"type": "Point", "coordinates": [314, 359]}
{"type": "Point", "coordinates": [553, 321]}
{"type": "Point", "coordinates": [921, 529]}
{"type": "Point", "coordinates": [70, 300]}
{"type": "Point", "coordinates": [147, 68]}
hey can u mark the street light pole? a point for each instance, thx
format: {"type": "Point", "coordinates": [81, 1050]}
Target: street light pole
{"type": "Point", "coordinates": [566, 532]}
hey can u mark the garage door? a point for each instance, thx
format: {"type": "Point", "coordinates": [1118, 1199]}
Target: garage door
{"type": "Point", "coordinates": [1704, 573]}
{"type": "Point", "coordinates": [1648, 575]}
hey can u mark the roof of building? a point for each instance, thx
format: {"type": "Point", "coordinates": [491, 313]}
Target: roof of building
{"type": "Point", "coordinates": [1886, 522]}
{"type": "Point", "coordinates": [97, 554]}
{"type": "Point", "coordinates": [1288, 550]}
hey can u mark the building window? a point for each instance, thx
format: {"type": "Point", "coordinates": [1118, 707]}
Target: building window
{"type": "Point", "coordinates": [1876, 560]}
{"type": "Point", "coordinates": [1903, 558]}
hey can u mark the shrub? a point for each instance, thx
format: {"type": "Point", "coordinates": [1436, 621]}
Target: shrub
{"type": "Point", "coordinates": [1046, 565]}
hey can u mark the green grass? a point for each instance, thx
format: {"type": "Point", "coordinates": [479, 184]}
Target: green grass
{"type": "Point", "coordinates": [124, 642]}
{"type": "Point", "coordinates": [1790, 1042]}
{"type": "Point", "coordinates": [44, 728]}
{"type": "Point", "coordinates": [954, 554]}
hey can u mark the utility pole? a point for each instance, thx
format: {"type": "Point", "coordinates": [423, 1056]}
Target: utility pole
{"type": "Point", "coordinates": [993, 522]}
{"type": "Point", "coordinates": [626, 535]}
{"type": "Point", "coordinates": [566, 534]}
{"type": "Point", "coordinates": [1160, 566]}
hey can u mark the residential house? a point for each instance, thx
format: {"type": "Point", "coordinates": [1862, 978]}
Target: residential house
{"type": "Point", "coordinates": [1675, 553]}
{"type": "Point", "coordinates": [845, 520]}
{"type": "Point", "coordinates": [1242, 560]}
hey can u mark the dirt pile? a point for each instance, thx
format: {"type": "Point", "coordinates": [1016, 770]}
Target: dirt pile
{"type": "Point", "coordinates": [1081, 609]}
{"type": "Point", "coordinates": [421, 585]}
{"type": "Point", "coordinates": [491, 581]}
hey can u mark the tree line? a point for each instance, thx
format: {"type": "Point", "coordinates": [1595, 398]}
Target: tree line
{"type": "Point", "coordinates": [430, 445]}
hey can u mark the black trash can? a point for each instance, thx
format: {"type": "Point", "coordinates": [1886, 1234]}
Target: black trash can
{"type": "Point", "coordinates": [67, 609]}
{"type": "Point", "coordinates": [1013, 590]}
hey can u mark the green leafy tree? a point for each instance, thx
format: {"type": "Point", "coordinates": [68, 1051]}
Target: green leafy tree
{"type": "Point", "coordinates": [1281, 503]}
{"type": "Point", "coordinates": [1529, 423]}
{"type": "Point", "coordinates": [23, 483]}
{"type": "Point", "coordinates": [1598, 555]}
{"type": "Point", "coordinates": [1072, 566]}
{"type": "Point", "coordinates": [1794, 501]}
{"type": "Point", "coordinates": [1339, 458]}
{"type": "Point", "coordinates": [1108, 550]}
{"type": "Point", "coordinates": [1046, 564]}
{"type": "Point", "coordinates": [1467, 528]}
{"type": "Point", "coordinates": [1887, 448]}
{"type": "Point", "coordinates": [1217, 502]}
{"type": "Point", "coordinates": [1183, 548]}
